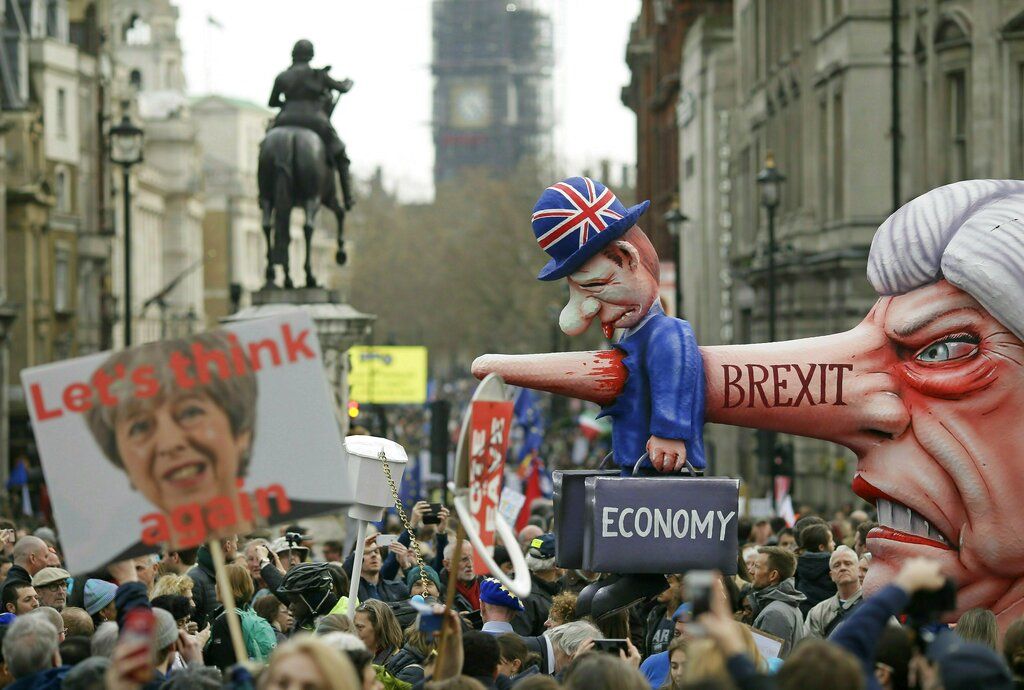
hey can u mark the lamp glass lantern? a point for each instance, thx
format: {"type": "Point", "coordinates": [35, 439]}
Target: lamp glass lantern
{"type": "Point", "coordinates": [126, 143]}
{"type": "Point", "coordinates": [770, 181]}
{"type": "Point", "coordinates": [675, 219]}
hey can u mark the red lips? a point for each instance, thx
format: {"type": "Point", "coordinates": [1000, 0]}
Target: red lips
{"type": "Point", "coordinates": [871, 493]}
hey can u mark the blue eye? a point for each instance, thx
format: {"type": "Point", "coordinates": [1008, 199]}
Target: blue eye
{"type": "Point", "coordinates": [948, 349]}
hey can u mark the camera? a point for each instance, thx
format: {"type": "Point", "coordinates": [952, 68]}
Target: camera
{"type": "Point", "coordinates": [293, 538]}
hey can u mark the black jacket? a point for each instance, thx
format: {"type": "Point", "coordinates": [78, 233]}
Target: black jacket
{"type": "Point", "coordinates": [530, 621]}
{"type": "Point", "coordinates": [812, 578]}
{"type": "Point", "coordinates": [204, 593]}
{"type": "Point", "coordinates": [406, 665]}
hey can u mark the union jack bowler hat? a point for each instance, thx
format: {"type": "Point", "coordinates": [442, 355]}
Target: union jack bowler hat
{"type": "Point", "coordinates": [575, 219]}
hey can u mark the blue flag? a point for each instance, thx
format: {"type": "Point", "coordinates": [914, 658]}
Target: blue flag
{"type": "Point", "coordinates": [528, 415]}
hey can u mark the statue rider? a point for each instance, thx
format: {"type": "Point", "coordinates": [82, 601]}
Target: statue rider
{"type": "Point", "coordinates": [304, 96]}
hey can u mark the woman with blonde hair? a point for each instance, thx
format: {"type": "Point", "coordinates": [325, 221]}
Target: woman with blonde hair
{"type": "Point", "coordinates": [179, 585]}
{"type": "Point", "coordinates": [308, 663]}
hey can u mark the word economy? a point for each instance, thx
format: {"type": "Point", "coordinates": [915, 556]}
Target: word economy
{"type": "Point", "coordinates": [668, 523]}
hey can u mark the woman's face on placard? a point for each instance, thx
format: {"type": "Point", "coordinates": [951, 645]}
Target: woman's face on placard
{"type": "Point", "coordinates": [181, 450]}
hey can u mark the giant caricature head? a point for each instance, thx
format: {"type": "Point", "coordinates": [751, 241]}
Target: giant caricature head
{"type": "Point", "coordinates": [928, 390]}
{"type": "Point", "coordinates": [594, 242]}
{"type": "Point", "coordinates": [617, 286]}
{"type": "Point", "coordinates": [949, 485]}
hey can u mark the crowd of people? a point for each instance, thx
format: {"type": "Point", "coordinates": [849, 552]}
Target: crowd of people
{"type": "Point", "coordinates": [793, 617]}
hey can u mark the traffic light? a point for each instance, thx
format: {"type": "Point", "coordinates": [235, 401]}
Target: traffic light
{"type": "Point", "coordinates": [353, 409]}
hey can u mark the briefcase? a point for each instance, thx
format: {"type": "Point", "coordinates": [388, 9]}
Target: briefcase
{"type": "Point", "coordinates": [569, 498]}
{"type": "Point", "coordinates": [658, 524]}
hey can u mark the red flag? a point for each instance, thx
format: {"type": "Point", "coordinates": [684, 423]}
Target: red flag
{"type": "Point", "coordinates": [531, 490]}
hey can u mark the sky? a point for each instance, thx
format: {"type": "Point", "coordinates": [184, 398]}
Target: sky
{"type": "Point", "coordinates": [384, 46]}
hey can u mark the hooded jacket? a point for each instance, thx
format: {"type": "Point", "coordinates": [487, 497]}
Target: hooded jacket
{"type": "Point", "coordinates": [812, 578]}
{"type": "Point", "coordinates": [204, 591]}
{"type": "Point", "coordinates": [777, 612]}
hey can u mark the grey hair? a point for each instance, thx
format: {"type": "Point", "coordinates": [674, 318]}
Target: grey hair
{"type": "Point", "coordinates": [30, 646]}
{"type": "Point", "coordinates": [840, 550]}
{"type": "Point", "coordinates": [971, 233]}
{"type": "Point", "coordinates": [50, 614]}
{"type": "Point", "coordinates": [569, 636]}
{"type": "Point", "coordinates": [104, 640]}
{"type": "Point", "coordinates": [537, 565]}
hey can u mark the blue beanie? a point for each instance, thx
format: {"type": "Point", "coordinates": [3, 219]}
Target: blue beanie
{"type": "Point", "coordinates": [98, 593]}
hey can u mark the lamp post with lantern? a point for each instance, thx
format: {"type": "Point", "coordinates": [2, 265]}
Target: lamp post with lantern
{"type": "Point", "coordinates": [676, 219]}
{"type": "Point", "coordinates": [777, 460]}
{"type": "Point", "coordinates": [126, 141]}
{"type": "Point", "coordinates": [770, 181]}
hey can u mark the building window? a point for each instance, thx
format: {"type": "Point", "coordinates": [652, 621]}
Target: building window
{"type": "Point", "coordinates": [956, 129]}
{"type": "Point", "coordinates": [953, 49]}
{"type": "Point", "coordinates": [823, 173]}
{"type": "Point", "coordinates": [62, 191]}
{"type": "Point", "coordinates": [135, 79]}
{"type": "Point", "coordinates": [838, 177]}
{"type": "Point", "coordinates": [62, 281]}
{"type": "Point", "coordinates": [62, 114]}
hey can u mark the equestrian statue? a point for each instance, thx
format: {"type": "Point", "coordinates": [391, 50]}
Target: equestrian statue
{"type": "Point", "coordinates": [297, 160]}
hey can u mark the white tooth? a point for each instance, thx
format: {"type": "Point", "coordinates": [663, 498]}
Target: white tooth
{"type": "Point", "coordinates": [918, 524]}
{"type": "Point", "coordinates": [884, 508]}
{"type": "Point", "coordinates": [904, 513]}
{"type": "Point", "coordinates": [936, 535]}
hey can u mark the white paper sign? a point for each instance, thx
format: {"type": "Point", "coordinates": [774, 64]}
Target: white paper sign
{"type": "Point", "coordinates": [510, 504]}
{"type": "Point", "coordinates": [186, 440]}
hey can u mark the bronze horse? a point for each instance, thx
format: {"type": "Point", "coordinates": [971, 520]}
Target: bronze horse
{"type": "Point", "coordinates": [294, 171]}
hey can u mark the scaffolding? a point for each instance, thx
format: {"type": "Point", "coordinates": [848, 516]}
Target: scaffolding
{"type": "Point", "coordinates": [492, 63]}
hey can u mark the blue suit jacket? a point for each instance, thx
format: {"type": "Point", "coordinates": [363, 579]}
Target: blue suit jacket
{"type": "Point", "coordinates": [664, 391]}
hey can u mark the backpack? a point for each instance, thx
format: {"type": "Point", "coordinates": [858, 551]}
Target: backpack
{"type": "Point", "coordinates": [258, 634]}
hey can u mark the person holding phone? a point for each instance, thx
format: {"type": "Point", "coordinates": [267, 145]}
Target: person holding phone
{"type": "Point", "coordinates": [372, 583]}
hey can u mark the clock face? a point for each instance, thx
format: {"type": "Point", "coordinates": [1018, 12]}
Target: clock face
{"type": "Point", "coordinates": [471, 107]}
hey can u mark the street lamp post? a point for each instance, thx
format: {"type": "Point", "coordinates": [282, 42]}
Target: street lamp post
{"type": "Point", "coordinates": [770, 181]}
{"type": "Point", "coordinates": [675, 220]}
{"type": "Point", "coordinates": [126, 151]}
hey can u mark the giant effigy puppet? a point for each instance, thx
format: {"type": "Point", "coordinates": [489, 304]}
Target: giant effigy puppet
{"type": "Point", "coordinates": [928, 390]}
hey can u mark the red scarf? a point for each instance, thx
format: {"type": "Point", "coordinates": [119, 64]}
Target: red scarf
{"type": "Point", "coordinates": [470, 591]}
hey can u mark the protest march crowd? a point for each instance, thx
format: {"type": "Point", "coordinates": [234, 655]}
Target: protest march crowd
{"type": "Point", "coordinates": [794, 617]}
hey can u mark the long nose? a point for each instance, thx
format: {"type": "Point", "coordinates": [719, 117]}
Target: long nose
{"type": "Point", "coordinates": [578, 312]}
{"type": "Point", "coordinates": [841, 388]}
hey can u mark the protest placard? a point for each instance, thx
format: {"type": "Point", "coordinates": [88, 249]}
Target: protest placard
{"type": "Point", "coordinates": [489, 430]}
{"type": "Point", "coordinates": [182, 441]}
